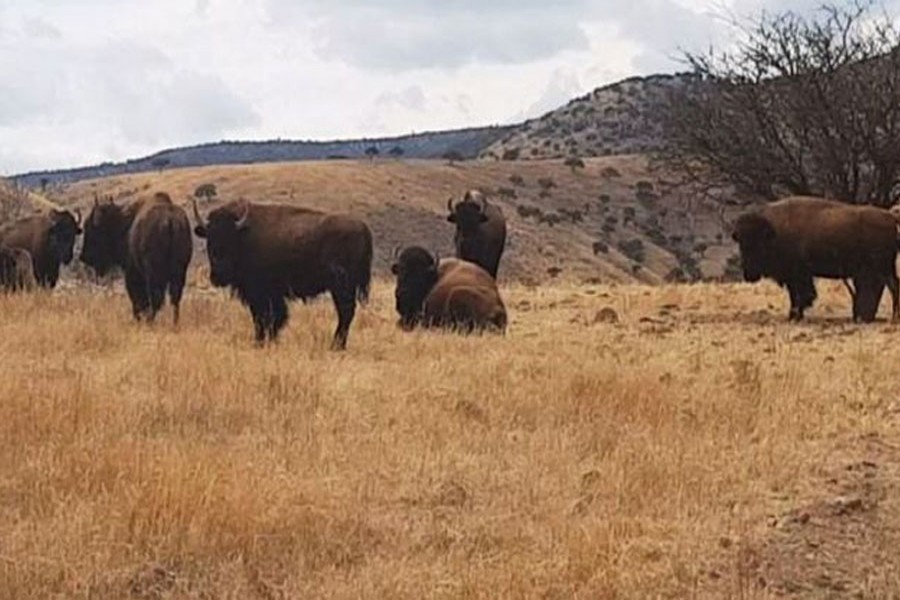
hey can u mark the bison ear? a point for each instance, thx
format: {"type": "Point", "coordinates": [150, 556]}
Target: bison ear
{"type": "Point", "coordinates": [451, 218]}
{"type": "Point", "coordinates": [482, 218]}
{"type": "Point", "coordinates": [200, 231]}
{"type": "Point", "coordinates": [395, 269]}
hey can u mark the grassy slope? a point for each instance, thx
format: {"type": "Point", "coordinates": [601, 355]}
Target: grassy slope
{"type": "Point", "coordinates": [404, 202]}
{"type": "Point", "coordinates": [637, 459]}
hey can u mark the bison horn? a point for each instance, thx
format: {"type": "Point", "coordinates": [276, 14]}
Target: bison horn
{"type": "Point", "coordinates": [197, 213]}
{"type": "Point", "coordinates": [483, 202]}
{"type": "Point", "coordinates": [450, 205]}
{"type": "Point", "coordinates": [77, 212]}
{"type": "Point", "coordinates": [96, 199]}
{"type": "Point", "coordinates": [396, 251]}
{"type": "Point", "coordinates": [242, 219]}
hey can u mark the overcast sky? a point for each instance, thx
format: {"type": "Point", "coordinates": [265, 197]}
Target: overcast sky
{"type": "Point", "coordinates": [85, 81]}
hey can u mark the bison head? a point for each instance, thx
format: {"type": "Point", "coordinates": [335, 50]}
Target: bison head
{"type": "Point", "coordinates": [105, 232]}
{"type": "Point", "coordinates": [64, 228]}
{"type": "Point", "coordinates": [754, 234]}
{"type": "Point", "coordinates": [469, 214]}
{"type": "Point", "coordinates": [223, 233]}
{"type": "Point", "coordinates": [416, 272]}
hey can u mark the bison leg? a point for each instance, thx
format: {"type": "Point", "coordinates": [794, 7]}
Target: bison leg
{"type": "Point", "coordinates": [345, 305]}
{"type": "Point", "coordinates": [269, 316]}
{"type": "Point", "coordinates": [137, 293]}
{"type": "Point", "coordinates": [157, 295]}
{"type": "Point", "coordinates": [176, 289]}
{"type": "Point", "coordinates": [893, 284]}
{"type": "Point", "coordinates": [802, 292]}
{"type": "Point", "coordinates": [869, 288]}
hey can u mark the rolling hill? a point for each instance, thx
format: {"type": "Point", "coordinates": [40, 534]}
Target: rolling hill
{"type": "Point", "coordinates": [611, 221]}
{"type": "Point", "coordinates": [615, 119]}
{"type": "Point", "coordinates": [622, 118]}
{"type": "Point", "coordinates": [467, 143]}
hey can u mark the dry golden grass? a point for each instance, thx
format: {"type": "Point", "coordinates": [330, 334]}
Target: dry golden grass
{"type": "Point", "coordinates": [570, 458]}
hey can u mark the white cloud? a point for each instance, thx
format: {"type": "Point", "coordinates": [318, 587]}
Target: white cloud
{"type": "Point", "coordinates": [169, 72]}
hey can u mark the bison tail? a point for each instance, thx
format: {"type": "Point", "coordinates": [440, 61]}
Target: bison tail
{"type": "Point", "coordinates": [363, 286]}
{"type": "Point", "coordinates": [364, 278]}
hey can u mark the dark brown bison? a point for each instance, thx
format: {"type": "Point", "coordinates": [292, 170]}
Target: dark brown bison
{"type": "Point", "coordinates": [49, 239]}
{"type": "Point", "coordinates": [799, 238]}
{"type": "Point", "coordinates": [269, 253]}
{"type": "Point", "coordinates": [16, 270]}
{"type": "Point", "coordinates": [449, 293]}
{"type": "Point", "coordinates": [150, 239]}
{"type": "Point", "coordinates": [480, 230]}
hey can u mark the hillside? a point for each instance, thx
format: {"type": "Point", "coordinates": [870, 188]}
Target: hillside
{"type": "Point", "coordinates": [468, 143]}
{"type": "Point", "coordinates": [621, 118]}
{"type": "Point", "coordinates": [610, 221]}
{"type": "Point", "coordinates": [616, 119]}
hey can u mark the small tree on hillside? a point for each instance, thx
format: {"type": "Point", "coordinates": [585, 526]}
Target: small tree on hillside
{"type": "Point", "coordinates": [799, 106]}
{"type": "Point", "coordinates": [372, 152]}
{"type": "Point", "coordinates": [574, 163]}
{"type": "Point", "coordinates": [453, 156]}
{"type": "Point", "coordinates": [160, 163]}
{"type": "Point", "coordinates": [396, 152]}
{"type": "Point", "coordinates": [207, 191]}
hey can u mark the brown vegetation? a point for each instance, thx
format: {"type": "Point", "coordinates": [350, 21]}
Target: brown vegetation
{"type": "Point", "coordinates": [618, 442]}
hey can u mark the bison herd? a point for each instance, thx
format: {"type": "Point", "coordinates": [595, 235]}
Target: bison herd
{"type": "Point", "coordinates": [267, 254]}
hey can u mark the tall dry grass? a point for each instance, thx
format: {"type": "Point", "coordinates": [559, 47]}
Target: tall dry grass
{"type": "Point", "coordinates": [570, 458]}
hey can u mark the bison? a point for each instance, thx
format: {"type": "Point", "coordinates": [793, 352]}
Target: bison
{"type": "Point", "coordinates": [480, 231]}
{"type": "Point", "coordinates": [49, 239]}
{"type": "Point", "coordinates": [150, 239]}
{"type": "Point", "coordinates": [798, 238]}
{"type": "Point", "coordinates": [269, 253]}
{"type": "Point", "coordinates": [16, 270]}
{"type": "Point", "coordinates": [448, 293]}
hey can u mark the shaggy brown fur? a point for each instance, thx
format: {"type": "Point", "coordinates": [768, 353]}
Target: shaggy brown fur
{"type": "Point", "coordinates": [451, 293]}
{"type": "Point", "coordinates": [49, 239]}
{"type": "Point", "coordinates": [269, 253]}
{"type": "Point", "coordinates": [480, 231]}
{"type": "Point", "coordinates": [796, 239]}
{"type": "Point", "coordinates": [150, 239]}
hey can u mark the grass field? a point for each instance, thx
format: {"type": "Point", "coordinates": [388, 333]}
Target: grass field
{"type": "Point", "coordinates": [687, 446]}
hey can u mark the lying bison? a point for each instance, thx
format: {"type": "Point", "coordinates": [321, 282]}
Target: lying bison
{"type": "Point", "coordinates": [150, 239]}
{"type": "Point", "coordinates": [799, 238]}
{"type": "Point", "coordinates": [268, 253]}
{"type": "Point", "coordinates": [447, 293]}
{"type": "Point", "coordinates": [480, 231]}
{"type": "Point", "coordinates": [16, 270]}
{"type": "Point", "coordinates": [49, 239]}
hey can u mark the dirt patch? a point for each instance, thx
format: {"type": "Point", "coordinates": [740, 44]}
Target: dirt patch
{"type": "Point", "coordinates": [842, 543]}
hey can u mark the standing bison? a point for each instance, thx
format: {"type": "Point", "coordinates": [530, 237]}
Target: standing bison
{"type": "Point", "coordinates": [449, 293]}
{"type": "Point", "coordinates": [480, 231]}
{"type": "Point", "coordinates": [268, 253]}
{"type": "Point", "coordinates": [150, 239]}
{"type": "Point", "coordinates": [16, 270]}
{"type": "Point", "coordinates": [49, 239]}
{"type": "Point", "coordinates": [799, 238]}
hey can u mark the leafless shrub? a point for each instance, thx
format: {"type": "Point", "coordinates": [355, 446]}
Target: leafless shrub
{"type": "Point", "coordinates": [801, 105]}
